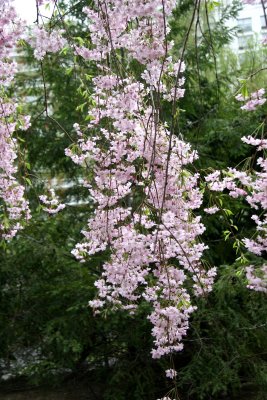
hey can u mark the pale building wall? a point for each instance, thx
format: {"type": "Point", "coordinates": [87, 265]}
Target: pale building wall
{"type": "Point", "coordinates": [251, 24]}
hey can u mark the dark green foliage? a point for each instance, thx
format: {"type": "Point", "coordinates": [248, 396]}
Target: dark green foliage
{"type": "Point", "coordinates": [41, 285]}
{"type": "Point", "coordinates": [226, 348]}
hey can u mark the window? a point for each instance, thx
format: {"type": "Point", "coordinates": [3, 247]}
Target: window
{"type": "Point", "coordinates": [264, 38]}
{"type": "Point", "coordinates": [263, 22]}
{"type": "Point", "coordinates": [244, 41]}
{"type": "Point", "coordinates": [244, 24]}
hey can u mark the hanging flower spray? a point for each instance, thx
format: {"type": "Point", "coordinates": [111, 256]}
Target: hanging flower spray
{"type": "Point", "coordinates": [144, 192]}
{"type": "Point", "coordinates": [14, 209]}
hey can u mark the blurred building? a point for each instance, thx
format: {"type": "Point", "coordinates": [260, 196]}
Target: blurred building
{"type": "Point", "coordinates": [251, 25]}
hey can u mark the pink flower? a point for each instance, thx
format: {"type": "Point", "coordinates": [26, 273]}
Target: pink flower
{"type": "Point", "coordinates": [43, 42]}
{"type": "Point", "coordinates": [136, 157]}
{"type": "Point", "coordinates": [254, 101]}
{"type": "Point", "coordinates": [52, 203]}
{"type": "Point", "coordinates": [257, 282]}
{"type": "Point", "coordinates": [171, 373]}
{"type": "Point", "coordinates": [211, 210]}
{"type": "Point", "coordinates": [16, 208]}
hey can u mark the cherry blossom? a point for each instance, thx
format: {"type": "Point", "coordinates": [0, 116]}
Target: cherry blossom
{"type": "Point", "coordinates": [14, 208]}
{"type": "Point", "coordinates": [253, 101]}
{"type": "Point", "coordinates": [251, 185]}
{"type": "Point", "coordinates": [211, 210]}
{"type": "Point", "coordinates": [51, 202]}
{"type": "Point", "coordinates": [171, 373]}
{"type": "Point", "coordinates": [44, 42]}
{"type": "Point", "coordinates": [144, 193]}
{"type": "Point", "coordinates": [258, 283]}
{"type": "Point", "coordinates": [166, 398]}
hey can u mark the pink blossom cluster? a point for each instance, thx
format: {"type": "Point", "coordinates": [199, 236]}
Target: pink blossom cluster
{"type": "Point", "coordinates": [11, 27]}
{"type": "Point", "coordinates": [51, 202]}
{"type": "Point", "coordinates": [253, 187]}
{"type": "Point", "coordinates": [13, 207]}
{"type": "Point", "coordinates": [257, 198]}
{"type": "Point", "coordinates": [114, 25]}
{"type": "Point", "coordinates": [44, 42]}
{"type": "Point", "coordinates": [144, 194]}
{"type": "Point", "coordinates": [211, 210]}
{"type": "Point", "coordinates": [257, 282]}
{"type": "Point", "coordinates": [166, 398]}
{"type": "Point", "coordinates": [253, 101]}
{"type": "Point", "coordinates": [171, 373]}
